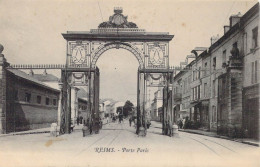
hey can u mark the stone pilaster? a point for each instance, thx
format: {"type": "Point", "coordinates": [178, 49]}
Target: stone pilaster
{"type": "Point", "coordinates": [2, 92]}
{"type": "Point", "coordinates": [74, 104]}
{"type": "Point", "coordinates": [235, 84]}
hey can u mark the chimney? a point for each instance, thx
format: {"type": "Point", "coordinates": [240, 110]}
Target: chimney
{"type": "Point", "coordinates": [234, 19]}
{"type": "Point", "coordinates": [226, 28]}
{"type": "Point", "coordinates": [214, 39]}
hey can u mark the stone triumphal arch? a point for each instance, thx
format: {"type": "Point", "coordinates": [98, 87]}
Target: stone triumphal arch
{"type": "Point", "coordinates": [151, 49]}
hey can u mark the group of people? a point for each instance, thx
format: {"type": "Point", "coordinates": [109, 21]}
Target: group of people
{"type": "Point", "coordinates": [181, 123]}
{"type": "Point", "coordinates": [79, 120]}
{"type": "Point", "coordinates": [94, 125]}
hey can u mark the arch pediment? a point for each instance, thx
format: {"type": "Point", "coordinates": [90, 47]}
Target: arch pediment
{"type": "Point", "coordinates": [117, 20]}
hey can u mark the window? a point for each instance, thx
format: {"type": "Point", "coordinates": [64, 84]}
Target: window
{"type": "Point", "coordinates": [205, 68]}
{"type": "Point", "coordinates": [54, 102]}
{"type": "Point", "coordinates": [47, 101]}
{"type": "Point", "coordinates": [254, 72]}
{"type": "Point", "coordinates": [254, 37]}
{"type": "Point", "coordinates": [214, 114]}
{"type": "Point", "coordinates": [196, 93]}
{"type": "Point", "coordinates": [28, 97]}
{"type": "Point", "coordinates": [245, 43]}
{"type": "Point", "coordinates": [205, 89]}
{"type": "Point", "coordinates": [193, 94]}
{"type": "Point", "coordinates": [214, 88]}
{"type": "Point", "coordinates": [224, 56]}
{"type": "Point", "coordinates": [199, 72]}
{"type": "Point", "coordinates": [199, 92]}
{"type": "Point", "coordinates": [39, 99]}
{"type": "Point", "coordinates": [214, 63]}
{"type": "Point", "coordinates": [16, 95]}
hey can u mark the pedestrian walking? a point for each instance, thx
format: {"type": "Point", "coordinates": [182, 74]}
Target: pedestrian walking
{"type": "Point", "coordinates": [170, 127]}
{"type": "Point", "coordinates": [89, 125]}
{"type": "Point", "coordinates": [130, 121]}
{"type": "Point", "coordinates": [183, 123]}
{"type": "Point", "coordinates": [77, 120]}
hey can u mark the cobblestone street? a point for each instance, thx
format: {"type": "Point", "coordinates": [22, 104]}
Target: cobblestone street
{"type": "Point", "coordinates": [118, 145]}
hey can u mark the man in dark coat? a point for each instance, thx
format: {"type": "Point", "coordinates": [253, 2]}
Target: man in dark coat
{"type": "Point", "coordinates": [130, 121]}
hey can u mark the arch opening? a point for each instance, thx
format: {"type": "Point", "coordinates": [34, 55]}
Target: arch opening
{"type": "Point", "coordinates": [118, 77]}
{"type": "Point", "coordinates": [126, 46]}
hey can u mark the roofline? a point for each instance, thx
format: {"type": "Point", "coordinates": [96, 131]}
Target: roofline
{"type": "Point", "coordinates": [250, 13]}
{"type": "Point", "coordinates": [42, 85]}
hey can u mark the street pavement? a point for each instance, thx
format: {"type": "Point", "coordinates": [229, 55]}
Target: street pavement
{"type": "Point", "coordinates": [118, 145]}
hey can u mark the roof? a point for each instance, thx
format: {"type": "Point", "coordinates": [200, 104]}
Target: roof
{"type": "Point", "coordinates": [45, 77]}
{"type": "Point", "coordinates": [27, 77]}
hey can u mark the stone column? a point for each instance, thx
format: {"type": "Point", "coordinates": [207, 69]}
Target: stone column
{"type": "Point", "coordinates": [74, 104]}
{"type": "Point", "coordinates": [2, 92]}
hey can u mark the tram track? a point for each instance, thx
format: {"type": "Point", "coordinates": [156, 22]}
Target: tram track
{"type": "Point", "coordinates": [99, 139]}
{"type": "Point", "coordinates": [115, 137]}
{"type": "Point", "coordinates": [220, 145]}
{"type": "Point", "coordinates": [205, 146]}
{"type": "Point", "coordinates": [198, 140]}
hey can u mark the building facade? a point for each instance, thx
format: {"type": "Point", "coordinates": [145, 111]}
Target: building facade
{"type": "Point", "coordinates": [224, 87]}
{"type": "Point", "coordinates": [30, 104]}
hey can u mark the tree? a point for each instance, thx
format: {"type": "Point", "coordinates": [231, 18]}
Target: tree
{"type": "Point", "coordinates": [128, 107]}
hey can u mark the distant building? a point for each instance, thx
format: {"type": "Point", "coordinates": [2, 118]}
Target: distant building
{"type": "Point", "coordinates": [156, 104]}
{"type": "Point", "coordinates": [181, 95]}
{"type": "Point", "coordinates": [77, 94]}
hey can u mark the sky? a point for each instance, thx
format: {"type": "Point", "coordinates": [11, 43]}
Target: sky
{"type": "Point", "coordinates": [30, 31]}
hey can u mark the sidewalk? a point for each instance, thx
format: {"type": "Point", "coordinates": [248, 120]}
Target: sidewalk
{"type": "Point", "coordinates": [37, 131]}
{"type": "Point", "coordinates": [42, 130]}
{"type": "Point", "coordinates": [214, 134]}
